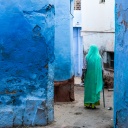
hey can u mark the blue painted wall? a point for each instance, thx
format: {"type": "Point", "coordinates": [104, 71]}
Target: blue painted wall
{"type": "Point", "coordinates": [121, 66]}
{"type": "Point", "coordinates": [63, 40]}
{"type": "Point", "coordinates": [77, 51]}
{"type": "Point", "coordinates": [26, 56]}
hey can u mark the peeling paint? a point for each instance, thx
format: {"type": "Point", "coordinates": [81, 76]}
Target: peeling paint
{"type": "Point", "coordinates": [26, 61]}
{"type": "Point", "coordinates": [121, 68]}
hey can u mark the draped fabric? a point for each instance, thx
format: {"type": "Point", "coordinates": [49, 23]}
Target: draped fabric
{"type": "Point", "coordinates": [93, 77]}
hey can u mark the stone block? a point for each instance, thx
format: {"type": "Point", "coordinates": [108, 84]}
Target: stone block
{"type": "Point", "coordinates": [50, 115]}
{"type": "Point", "coordinates": [18, 116]}
{"type": "Point", "coordinates": [32, 105]}
{"type": "Point", "coordinates": [6, 118]}
{"type": "Point", "coordinates": [40, 117]}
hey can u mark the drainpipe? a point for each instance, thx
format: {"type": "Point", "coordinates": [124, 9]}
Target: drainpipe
{"type": "Point", "coordinates": [71, 8]}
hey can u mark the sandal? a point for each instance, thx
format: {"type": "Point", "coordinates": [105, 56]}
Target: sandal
{"type": "Point", "coordinates": [93, 106]}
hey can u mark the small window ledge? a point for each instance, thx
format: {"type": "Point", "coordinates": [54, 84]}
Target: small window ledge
{"type": "Point", "coordinates": [109, 69]}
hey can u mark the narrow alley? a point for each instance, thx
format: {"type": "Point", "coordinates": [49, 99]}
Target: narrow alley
{"type": "Point", "coordinates": [48, 48]}
{"type": "Point", "coordinates": [74, 115]}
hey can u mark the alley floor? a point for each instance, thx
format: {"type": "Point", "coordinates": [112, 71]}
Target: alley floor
{"type": "Point", "coordinates": [74, 115]}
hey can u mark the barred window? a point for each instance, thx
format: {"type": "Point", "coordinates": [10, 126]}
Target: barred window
{"type": "Point", "coordinates": [110, 60]}
{"type": "Point", "coordinates": [77, 5]}
{"type": "Point", "coordinates": [102, 1]}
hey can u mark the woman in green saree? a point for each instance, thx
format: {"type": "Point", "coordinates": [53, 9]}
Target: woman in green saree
{"type": "Point", "coordinates": [93, 81]}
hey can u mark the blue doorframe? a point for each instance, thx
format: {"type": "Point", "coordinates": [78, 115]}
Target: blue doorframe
{"type": "Point", "coordinates": [77, 51]}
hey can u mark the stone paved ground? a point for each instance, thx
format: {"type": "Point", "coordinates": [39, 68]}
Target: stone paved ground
{"type": "Point", "coordinates": [74, 115]}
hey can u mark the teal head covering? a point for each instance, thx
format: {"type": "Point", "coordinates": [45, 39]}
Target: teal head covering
{"type": "Point", "coordinates": [93, 52]}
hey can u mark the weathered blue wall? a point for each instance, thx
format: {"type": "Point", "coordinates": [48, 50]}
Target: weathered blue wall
{"type": "Point", "coordinates": [63, 40]}
{"type": "Point", "coordinates": [26, 56]}
{"type": "Point", "coordinates": [121, 66]}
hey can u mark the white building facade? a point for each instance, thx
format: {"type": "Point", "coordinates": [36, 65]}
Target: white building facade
{"type": "Point", "coordinates": [98, 19]}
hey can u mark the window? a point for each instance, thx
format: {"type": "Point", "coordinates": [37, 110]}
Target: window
{"type": "Point", "coordinates": [110, 60]}
{"type": "Point", "coordinates": [102, 1]}
{"type": "Point", "coordinates": [77, 5]}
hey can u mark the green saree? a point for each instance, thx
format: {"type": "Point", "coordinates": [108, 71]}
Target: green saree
{"type": "Point", "coordinates": [93, 78]}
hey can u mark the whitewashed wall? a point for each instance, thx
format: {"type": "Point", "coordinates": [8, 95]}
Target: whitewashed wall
{"type": "Point", "coordinates": [98, 24]}
{"type": "Point", "coordinates": [102, 40]}
{"type": "Point", "coordinates": [97, 16]}
{"type": "Point", "coordinates": [77, 18]}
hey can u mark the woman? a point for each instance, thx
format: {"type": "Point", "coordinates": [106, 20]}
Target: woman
{"type": "Point", "coordinates": [93, 78]}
